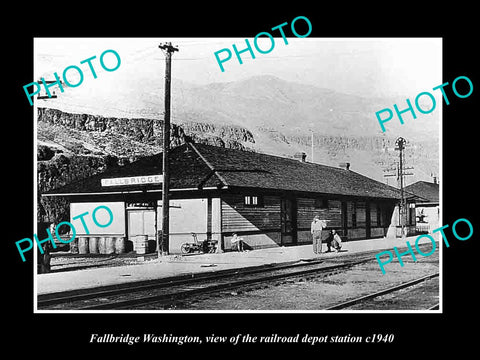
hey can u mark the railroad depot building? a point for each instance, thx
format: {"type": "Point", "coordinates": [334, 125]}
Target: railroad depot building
{"type": "Point", "coordinates": [215, 192]}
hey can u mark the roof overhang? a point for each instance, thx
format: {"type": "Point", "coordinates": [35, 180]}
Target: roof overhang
{"type": "Point", "coordinates": [127, 192]}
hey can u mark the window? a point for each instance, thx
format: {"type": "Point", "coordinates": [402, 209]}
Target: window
{"type": "Point", "coordinates": [379, 215]}
{"type": "Point", "coordinates": [354, 215]}
{"type": "Point", "coordinates": [253, 200]}
{"type": "Point", "coordinates": [321, 203]}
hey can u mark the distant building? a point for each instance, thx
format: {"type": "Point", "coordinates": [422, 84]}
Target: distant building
{"type": "Point", "coordinates": [427, 209]}
{"type": "Point", "coordinates": [215, 192]}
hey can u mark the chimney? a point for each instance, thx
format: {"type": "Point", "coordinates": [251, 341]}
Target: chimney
{"type": "Point", "coordinates": [345, 165]}
{"type": "Point", "coordinates": [435, 180]}
{"type": "Point", "coordinates": [300, 156]}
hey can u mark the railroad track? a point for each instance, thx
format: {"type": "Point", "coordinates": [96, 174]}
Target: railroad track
{"type": "Point", "coordinates": [364, 298]}
{"type": "Point", "coordinates": [169, 291]}
{"type": "Point", "coordinates": [165, 292]}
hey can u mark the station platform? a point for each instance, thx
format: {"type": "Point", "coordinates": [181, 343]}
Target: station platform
{"type": "Point", "coordinates": [152, 267]}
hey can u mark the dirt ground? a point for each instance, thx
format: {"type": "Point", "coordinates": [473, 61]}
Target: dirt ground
{"type": "Point", "coordinates": [317, 294]}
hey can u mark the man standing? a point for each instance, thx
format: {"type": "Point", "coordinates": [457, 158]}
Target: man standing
{"type": "Point", "coordinates": [316, 230]}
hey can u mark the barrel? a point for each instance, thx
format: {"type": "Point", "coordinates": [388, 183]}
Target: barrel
{"type": "Point", "coordinates": [109, 245]}
{"type": "Point", "coordinates": [141, 244]}
{"type": "Point", "coordinates": [83, 245]}
{"type": "Point", "coordinates": [74, 246]}
{"type": "Point", "coordinates": [119, 245]}
{"type": "Point", "coordinates": [101, 245]}
{"type": "Point", "coordinates": [93, 245]}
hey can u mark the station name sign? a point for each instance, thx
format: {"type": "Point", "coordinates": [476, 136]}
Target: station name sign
{"type": "Point", "coordinates": [133, 180]}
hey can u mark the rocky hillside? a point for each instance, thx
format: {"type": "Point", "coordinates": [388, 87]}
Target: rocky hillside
{"type": "Point", "coordinates": [60, 170]}
{"type": "Point", "coordinates": [98, 135]}
{"type": "Point", "coordinates": [75, 146]}
{"type": "Point", "coordinates": [372, 155]}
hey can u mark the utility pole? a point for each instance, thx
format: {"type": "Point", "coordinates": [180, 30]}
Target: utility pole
{"type": "Point", "coordinates": [400, 144]}
{"type": "Point", "coordinates": [54, 96]}
{"type": "Point", "coordinates": [167, 49]}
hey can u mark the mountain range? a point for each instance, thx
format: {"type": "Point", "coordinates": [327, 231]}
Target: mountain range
{"type": "Point", "coordinates": [282, 116]}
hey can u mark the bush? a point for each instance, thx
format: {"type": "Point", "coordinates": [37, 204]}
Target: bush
{"type": "Point", "coordinates": [44, 153]}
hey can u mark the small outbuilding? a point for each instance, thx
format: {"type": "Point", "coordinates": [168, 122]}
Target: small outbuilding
{"type": "Point", "coordinates": [427, 204]}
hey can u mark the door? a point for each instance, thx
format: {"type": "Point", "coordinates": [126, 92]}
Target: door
{"type": "Point", "coordinates": [345, 215]}
{"type": "Point", "coordinates": [141, 222]}
{"type": "Point", "coordinates": [368, 233]}
{"type": "Point", "coordinates": [288, 217]}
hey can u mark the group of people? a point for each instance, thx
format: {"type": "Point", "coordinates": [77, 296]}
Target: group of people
{"type": "Point", "coordinates": [333, 239]}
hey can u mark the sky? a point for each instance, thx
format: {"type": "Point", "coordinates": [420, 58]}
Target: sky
{"type": "Point", "coordinates": [368, 67]}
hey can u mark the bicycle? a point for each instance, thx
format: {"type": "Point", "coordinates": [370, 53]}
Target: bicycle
{"type": "Point", "coordinates": [205, 246]}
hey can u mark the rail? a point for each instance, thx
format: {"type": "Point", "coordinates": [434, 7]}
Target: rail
{"type": "Point", "coordinates": [360, 299]}
{"type": "Point", "coordinates": [171, 289]}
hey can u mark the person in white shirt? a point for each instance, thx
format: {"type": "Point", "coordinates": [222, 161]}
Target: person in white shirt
{"type": "Point", "coordinates": [237, 242]}
{"type": "Point", "coordinates": [316, 230]}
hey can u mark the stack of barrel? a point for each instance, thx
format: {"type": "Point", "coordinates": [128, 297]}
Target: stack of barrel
{"type": "Point", "coordinates": [101, 245]}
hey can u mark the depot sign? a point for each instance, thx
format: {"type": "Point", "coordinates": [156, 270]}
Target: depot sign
{"type": "Point", "coordinates": [133, 180]}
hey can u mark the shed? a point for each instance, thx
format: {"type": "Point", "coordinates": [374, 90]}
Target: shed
{"type": "Point", "coordinates": [427, 204]}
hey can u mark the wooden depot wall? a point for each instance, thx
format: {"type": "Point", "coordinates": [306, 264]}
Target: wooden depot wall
{"type": "Point", "coordinates": [218, 216]}
{"type": "Point", "coordinates": [262, 226]}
